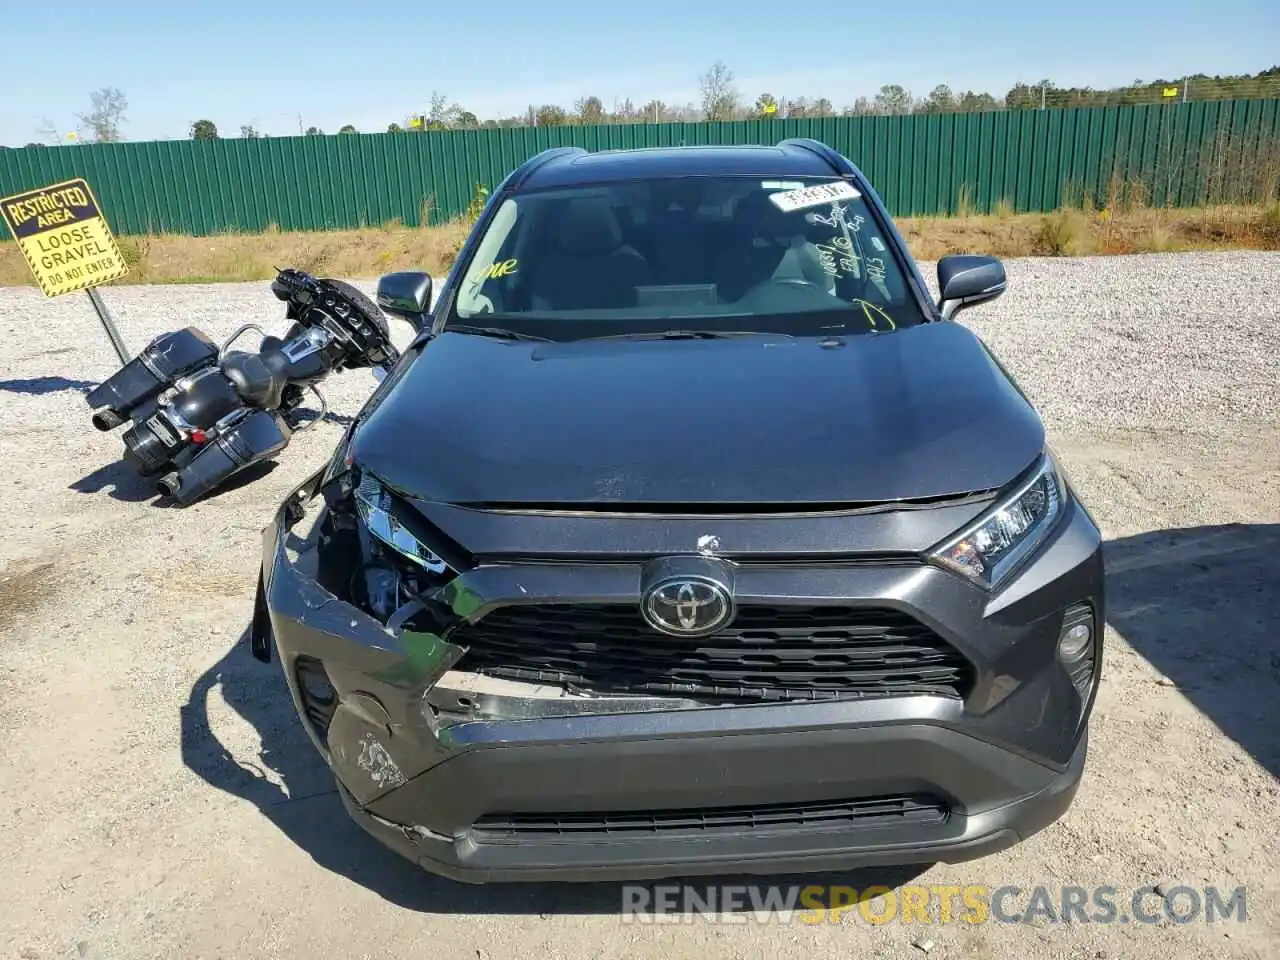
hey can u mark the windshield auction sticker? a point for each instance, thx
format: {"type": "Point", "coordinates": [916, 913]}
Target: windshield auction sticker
{"type": "Point", "coordinates": [815, 196]}
{"type": "Point", "coordinates": [64, 237]}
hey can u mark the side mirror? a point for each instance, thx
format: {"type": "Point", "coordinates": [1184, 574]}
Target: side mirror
{"type": "Point", "coordinates": [965, 281]}
{"type": "Point", "coordinates": [406, 295]}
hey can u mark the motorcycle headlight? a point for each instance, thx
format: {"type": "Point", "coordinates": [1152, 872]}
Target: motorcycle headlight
{"type": "Point", "coordinates": [991, 547]}
{"type": "Point", "coordinates": [383, 516]}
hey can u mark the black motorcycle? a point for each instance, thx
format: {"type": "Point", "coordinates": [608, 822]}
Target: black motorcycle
{"type": "Point", "coordinates": [201, 412]}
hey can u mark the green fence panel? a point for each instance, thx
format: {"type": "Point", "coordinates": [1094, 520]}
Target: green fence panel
{"type": "Point", "coordinates": [1170, 153]}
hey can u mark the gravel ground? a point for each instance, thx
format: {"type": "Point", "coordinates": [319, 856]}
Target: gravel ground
{"type": "Point", "coordinates": [161, 800]}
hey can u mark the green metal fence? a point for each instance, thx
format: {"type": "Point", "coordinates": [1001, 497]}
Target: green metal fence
{"type": "Point", "coordinates": [1034, 160]}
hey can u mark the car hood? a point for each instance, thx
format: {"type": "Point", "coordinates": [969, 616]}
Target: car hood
{"type": "Point", "coordinates": [923, 412]}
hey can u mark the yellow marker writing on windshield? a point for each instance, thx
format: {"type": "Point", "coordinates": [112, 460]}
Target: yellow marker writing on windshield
{"type": "Point", "coordinates": [497, 270]}
{"type": "Point", "coordinates": [868, 307]}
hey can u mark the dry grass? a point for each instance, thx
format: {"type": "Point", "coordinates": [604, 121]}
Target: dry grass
{"type": "Point", "coordinates": [1131, 228]}
{"type": "Point", "coordinates": [239, 256]}
{"type": "Point", "coordinates": [1126, 227]}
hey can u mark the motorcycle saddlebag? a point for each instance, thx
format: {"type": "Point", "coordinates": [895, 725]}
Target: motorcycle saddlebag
{"type": "Point", "coordinates": [259, 436]}
{"type": "Point", "coordinates": [163, 360]}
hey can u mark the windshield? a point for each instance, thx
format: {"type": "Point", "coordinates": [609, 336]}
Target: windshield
{"type": "Point", "coordinates": [801, 256]}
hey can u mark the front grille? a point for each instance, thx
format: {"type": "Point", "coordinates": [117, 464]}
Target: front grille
{"type": "Point", "coordinates": [767, 653]}
{"type": "Point", "coordinates": [869, 812]}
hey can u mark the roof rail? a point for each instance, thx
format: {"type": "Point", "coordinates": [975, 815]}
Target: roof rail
{"type": "Point", "coordinates": [833, 158]}
{"type": "Point", "coordinates": [526, 169]}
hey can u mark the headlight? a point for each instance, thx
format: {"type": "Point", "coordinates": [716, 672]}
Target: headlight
{"type": "Point", "coordinates": [381, 514]}
{"type": "Point", "coordinates": [988, 549]}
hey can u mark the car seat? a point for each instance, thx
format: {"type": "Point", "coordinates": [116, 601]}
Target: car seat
{"type": "Point", "coordinates": [767, 245]}
{"type": "Point", "coordinates": [588, 265]}
{"type": "Point", "coordinates": [680, 249]}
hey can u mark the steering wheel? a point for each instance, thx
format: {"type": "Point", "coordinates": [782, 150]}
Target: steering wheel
{"type": "Point", "coordinates": [798, 281]}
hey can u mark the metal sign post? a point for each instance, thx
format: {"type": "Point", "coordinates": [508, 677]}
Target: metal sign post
{"type": "Point", "coordinates": [68, 245]}
{"type": "Point", "coordinates": [108, 324]}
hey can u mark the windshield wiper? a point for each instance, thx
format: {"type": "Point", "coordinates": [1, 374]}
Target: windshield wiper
{"type": "Point", "coordinates": [692, 335]}
{"type": "Point", "coordinates": [498, 332]}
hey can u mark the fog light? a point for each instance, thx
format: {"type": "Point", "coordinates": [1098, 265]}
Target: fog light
{"type": "Point", "coordinates": [1074, 642]}
{"type": "Point", "coordinates": [1077, 649]}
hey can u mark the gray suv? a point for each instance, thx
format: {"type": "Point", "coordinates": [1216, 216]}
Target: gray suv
{"type": "Point", "coordinates": [690, 536]}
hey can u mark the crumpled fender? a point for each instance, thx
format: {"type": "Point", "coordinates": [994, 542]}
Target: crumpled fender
{"type": "Point", "coordinates": [380, 674]}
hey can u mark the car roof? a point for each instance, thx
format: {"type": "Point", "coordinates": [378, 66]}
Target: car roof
{"type": "Point", "coordinates": [579, 167]}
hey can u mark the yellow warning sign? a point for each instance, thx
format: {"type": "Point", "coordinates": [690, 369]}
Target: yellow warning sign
{"type": "Point", "coordinates": [64, 237]}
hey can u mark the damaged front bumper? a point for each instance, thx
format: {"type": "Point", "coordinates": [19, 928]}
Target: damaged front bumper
{"type": "Point", "coordinates": [484, 779]}
{"type": "Point", "coordinates": [357, 683]}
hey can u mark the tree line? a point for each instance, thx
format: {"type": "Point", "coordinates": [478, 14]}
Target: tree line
{"type": "Point", "coordinates": [720, 99]}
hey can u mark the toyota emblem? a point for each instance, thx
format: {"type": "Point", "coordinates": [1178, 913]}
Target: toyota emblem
{"type": "Point", "coordinates": [688, 606]}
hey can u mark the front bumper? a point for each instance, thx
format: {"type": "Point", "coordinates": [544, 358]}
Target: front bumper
{"type": "Point", "coordinates": [422, 762]}
{"type": "Point", "coordinates": [845, 761]}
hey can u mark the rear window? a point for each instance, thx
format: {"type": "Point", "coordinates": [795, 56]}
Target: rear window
{"type": "Point", "coordinates": [791, 255]}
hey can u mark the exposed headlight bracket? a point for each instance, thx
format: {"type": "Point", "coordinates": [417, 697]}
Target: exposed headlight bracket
{"type": "Point", "coordinates": [384, 518]}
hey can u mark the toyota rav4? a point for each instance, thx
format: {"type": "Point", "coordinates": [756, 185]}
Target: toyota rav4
{"type": "Point", "coordinates": [689, 536]}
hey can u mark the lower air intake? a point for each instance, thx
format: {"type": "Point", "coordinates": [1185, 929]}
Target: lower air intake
{"type": "Point", "coordinates": [920, 809]}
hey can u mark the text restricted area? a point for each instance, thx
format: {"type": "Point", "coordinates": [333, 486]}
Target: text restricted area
{"type": "Point", "coordinates": [64, 237]}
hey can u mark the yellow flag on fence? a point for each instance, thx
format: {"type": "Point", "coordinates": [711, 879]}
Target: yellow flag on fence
{"type": "Point", "coordinates": [1170, 91]}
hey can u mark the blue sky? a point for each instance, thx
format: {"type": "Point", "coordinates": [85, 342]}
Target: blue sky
{"type": "Point", "coordinates": [267, 63]}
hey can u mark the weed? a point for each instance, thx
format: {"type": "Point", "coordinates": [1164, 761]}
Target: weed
{"type": "Point", "coordinates": [476, 207]}
{"type": "Point", "coordinates": [1065, 233]}
{"type": "Point", "coordinates": [1126, 195]}
{"type": "Point", "coordinates": [239, 263]}
{"type": "Point", "coordinates": [1003, 209]}
{"type": "Point", "coordinates": [1269, 223]}
{"type": "Point", "coordinates": [1158, 240]}
{"type": "Point", "coordinates": [135, 252]}
{"type": "Point", "coordinates": [1138, 194]}
{"type": "Point", "coordinates": [454, 249]}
